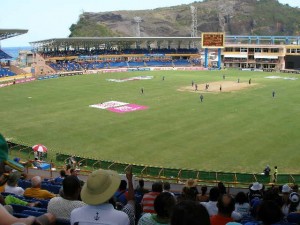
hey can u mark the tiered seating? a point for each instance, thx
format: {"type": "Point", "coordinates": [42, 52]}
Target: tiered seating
{"type": "Point", "coordinates": [45, 185]}
{"type": "Point", "coordinates": [136, 63]}
{"type": "Point", "coordinates": [118, 64]}
{"type": "Point", "coordinates": [187, 50]}
{"type": "Point", "coordinates": [4, 72]}
{"type": "Point", "coordinates": [181, 62]}
{"type": "Point", "coordinates": [73, 66]}
{"type": "Point", "coordinates": [93, 65]}
{"type": "Point", "coordinates": [159, 63]}
{"type": "Point", "coordinates": [57, 67]}
{"type": "Point", "coordinates": [66, 66]}
{"type": "Point", "coordinates": [83, 53]}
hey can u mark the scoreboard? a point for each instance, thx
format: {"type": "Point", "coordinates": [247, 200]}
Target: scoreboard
{"type": "Point", "coordinates": [213, 40]}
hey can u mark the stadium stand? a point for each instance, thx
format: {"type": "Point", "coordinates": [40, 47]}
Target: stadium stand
{"type": "Point", "coordinates": [4, 72]}
{"type": "Point", "coordinates": [181, 62]}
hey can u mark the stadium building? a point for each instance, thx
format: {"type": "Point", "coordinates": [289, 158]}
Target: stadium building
{"type": "Point", "coordinates": [6, 68]}
{"type": "Point", "coordinates": [268, 53]}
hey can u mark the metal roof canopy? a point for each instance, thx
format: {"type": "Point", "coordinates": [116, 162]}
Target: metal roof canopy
{"type": "Point", "coordinates": [8, 33]}
{"type": "Point", "coordinates": [62, 42]}
{"type": "Point", "coordinates": [85, 41]}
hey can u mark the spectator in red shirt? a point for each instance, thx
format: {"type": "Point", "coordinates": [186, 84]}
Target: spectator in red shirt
{"type": "Point", "coordinates": [148, 199]}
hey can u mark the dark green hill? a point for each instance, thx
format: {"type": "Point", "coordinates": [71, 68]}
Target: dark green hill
{"type": "Point", "coordinates": [236, 17]}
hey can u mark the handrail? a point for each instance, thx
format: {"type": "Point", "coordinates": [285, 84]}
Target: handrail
{"type": "Point", "coordinates": [99, 161]}
{"type": "Point", "coordinates": [142, 172]}
{"type": "Point", "coordinates": [111, 165]}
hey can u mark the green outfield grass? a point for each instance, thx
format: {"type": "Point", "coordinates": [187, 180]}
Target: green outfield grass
{"type": "Point", "coordinates": [240, 131]}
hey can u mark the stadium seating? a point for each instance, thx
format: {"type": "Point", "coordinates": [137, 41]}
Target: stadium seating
{"type": "Point", "coordinates": [21, 208]}
{"type": "Point", "coordinates": [136, 63]}
{"type": "Point", "coordinates": [159, 63]}
{"type": "Point", "coordinates": [118, 64]}
{"type": "Point", "coordinates": [32, 212]}
{"type": "Point", "coordinates": [66, 66]}
{"type": "Point", "coordinates": [4, 72]}
{"type": "Point", "coordinates": [181, 62]}
{"type": "Point", "coordinates": [94, 65]}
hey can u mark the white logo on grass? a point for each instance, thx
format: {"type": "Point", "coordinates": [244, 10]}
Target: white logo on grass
{"type": "Point", "coordinates": [109, 104]}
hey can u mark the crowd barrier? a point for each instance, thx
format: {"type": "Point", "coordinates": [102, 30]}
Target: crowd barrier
{"type": "Point", "coordinates": [48, 77]}
{"type": "Point", "coordinates": [175, 175]}
{"type": "Point", "coordinates": [181, 175]}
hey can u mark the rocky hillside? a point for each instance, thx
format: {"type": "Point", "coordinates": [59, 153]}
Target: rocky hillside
{"type": "Point", "coordinates": [236, 17]}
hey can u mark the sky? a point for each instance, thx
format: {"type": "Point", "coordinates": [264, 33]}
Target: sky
{"type": "Point", "coordinates": [46, 19]}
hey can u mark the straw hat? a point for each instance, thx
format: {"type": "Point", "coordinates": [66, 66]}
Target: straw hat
{"type": "Point", "coordinates": [191, 183]}
{"type": "Point", "coordinates": [100, 187]}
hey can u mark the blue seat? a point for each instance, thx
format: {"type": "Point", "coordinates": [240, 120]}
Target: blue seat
{"type": "Point", "coordinates": [20, 208]}
{"type": "Point", "coordinates": [7, 193]}
{"type": "Point", "coordinates": [33, 213]}
{"type": "Point", "coordinates": [54, 188]}
{"type": "Point", "coordinates": [20, 215]}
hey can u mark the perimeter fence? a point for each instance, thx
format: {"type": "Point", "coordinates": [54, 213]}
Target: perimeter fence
{"type": "Point", "coordinates": [175, 175]}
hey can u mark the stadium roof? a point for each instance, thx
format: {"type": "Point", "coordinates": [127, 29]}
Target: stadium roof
{"type": "Point", "coordinates": [8, 33]}
{"type": "Point", "coordinates": [97, 41]}
{"type": "Point", "coordinates": [58, 42]}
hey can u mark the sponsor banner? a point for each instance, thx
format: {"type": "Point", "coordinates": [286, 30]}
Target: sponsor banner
{"type": "Point", "coordinates": [138, 69]}
{"type": "Point", "coordinates": [6, 84]}
{"type": "Point", "coordinates": [179, 68]}
{"type": "Point", "coordinates": [127, 108]}
{"type": "Point", "coordinates": [25, 80]}
{"type": "Point", "coordinates": [92, 71]}
{"type": "Point", "coordinates": [251, 69]}
{"type": "Point", "coordinates": [154, 55]}
{"type": "Point", "coordinates": [86, 57]}
{"type": "Point", "coordinates": [163, 68]}
{"type": "Point", "coordinates": [48, 77]}
{"type": "Point", "coordinates": [19, 81]}
{"type": "Point", "coordinates": [109, 104]}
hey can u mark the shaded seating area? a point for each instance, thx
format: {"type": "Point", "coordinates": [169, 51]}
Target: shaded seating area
{"type": "Point", "coordinates": [93, 65]}
{"type": "Point", "coordinates": [66, 66]}
{"type": "Point", "coordinates": [159, 63]}
{"type": "Point", "coordinates": [181, 62]}
{"type": "Point", "coordinates": [136, 63]}
{"type": "Point", "coordinates": [118, 64]}
{"type": "Point", "coordinates": [4, 72]}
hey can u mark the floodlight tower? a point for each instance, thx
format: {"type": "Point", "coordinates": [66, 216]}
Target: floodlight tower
{"type": "Point", "coordinates": [138, 20]}
{"type": "Point", "coordinates": [194, 22]}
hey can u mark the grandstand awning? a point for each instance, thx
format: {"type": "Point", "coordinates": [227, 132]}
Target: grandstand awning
{"type": "Point", "coordinates": [265, 56]}
{"type": "Point", "coordinates": [8, 33]}
{"type": "Point", "coordinates": [236, 56]}
{"type": "Point", "coordinates": [98, 41]}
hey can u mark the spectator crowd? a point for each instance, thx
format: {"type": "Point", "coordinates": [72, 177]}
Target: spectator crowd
{"type": "Point", "coordinates": [105, 198]}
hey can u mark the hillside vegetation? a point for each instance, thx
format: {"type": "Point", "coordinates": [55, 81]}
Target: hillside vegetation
{"type": "Point", "coordinates": [235, 17]}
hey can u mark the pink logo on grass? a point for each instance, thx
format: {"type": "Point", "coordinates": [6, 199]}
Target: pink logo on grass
{"type": "Point", "coordinates": [127, 108]}
{"type": "Point", "coordinates": [119, 107]}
